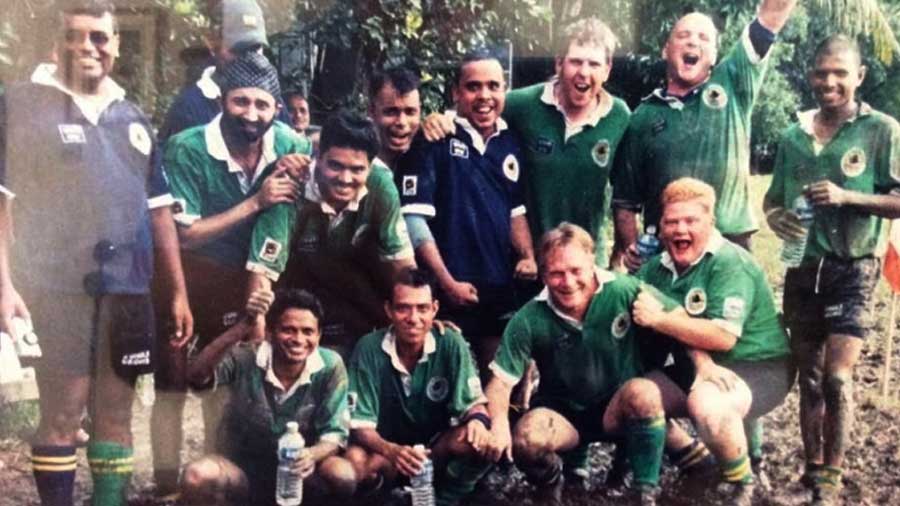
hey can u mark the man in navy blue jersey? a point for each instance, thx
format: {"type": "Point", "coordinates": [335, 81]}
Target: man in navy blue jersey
{"type": "Point", "coordinates": [476, 238]}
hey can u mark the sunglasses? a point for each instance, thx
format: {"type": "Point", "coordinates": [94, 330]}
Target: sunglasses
{"type": "Point", "coordinates": [98, 38]}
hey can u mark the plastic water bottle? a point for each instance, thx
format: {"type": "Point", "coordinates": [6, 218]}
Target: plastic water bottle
{"type": "Point", "coordinates": [422, 484]}
{"type": "Point", "coordinates": [793, 249]}
{"type": "Point", "coordinates": [288, 485]}
{"type": "Point", "coordinates": [648, 243]}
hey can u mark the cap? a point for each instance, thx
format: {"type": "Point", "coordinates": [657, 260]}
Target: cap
{"type": "Point", "coordinates": [242, 25]}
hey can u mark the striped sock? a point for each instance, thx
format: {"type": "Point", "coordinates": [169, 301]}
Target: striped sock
{"type": "Point", "coordinates": [689, 456]}
{"type": "Point", "coordinates": [54, 473]}
{"type": "Point", "coordinates": [111, 467]}
{"type": "Point", "coordinates": [828, 477]}
{"type": "Point", "coordinates": [737, 470]}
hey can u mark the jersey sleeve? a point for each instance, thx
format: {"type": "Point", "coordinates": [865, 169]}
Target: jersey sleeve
{"type": "Point", "coordinates": [332, 420]}
{"type": "Point", "coordinates": [467, 391]}
{"type": "Point", "coordinates": [393, 238]}
{"type": "Point", "coordinates": [158, 193]}
{"type": "Point", "coordinates": [517, 200]}
{"type": "Point", "coordinates": [775, 194]}
{"type": "Point", "coordinates": [226, 371]}
{"type": "Point", "coordinates": [626, 173]}
{"type": "Point", "coordinates": [185, 181]}
{"type": "Point", "coordinates": [746, 69]}
{"type": "Point", "coordinates": [730, 293]}
{"type": "Point", "coordinates": [365, 391]}
{"type": "Point", "coordinates": [887, 177]}
{"type": "Point", "coordinates": [417, 178]}
{"type": "Point", "coordinates": [515, 351]}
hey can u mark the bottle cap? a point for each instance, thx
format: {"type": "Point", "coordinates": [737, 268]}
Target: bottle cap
{"type": "Point", "coordinates": [292, 427]}
{"type": "Point", "coordinates": [419, 448]}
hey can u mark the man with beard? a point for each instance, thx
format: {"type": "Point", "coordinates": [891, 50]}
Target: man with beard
{"type": "Point", "coordinates": [844, 159]}
{"type": "Point", "coordinates": [476, 239]}
{"type": "Point", "coordinates": [395, 108]}
{"type": "Point", "coordinates": [698, 126]}
{"type": "Point", "coordinates": [92, 211]}
{"type": "Point", "coordinates": [223, 175]}
{"type": "Point", "coordinates": [289, 378]}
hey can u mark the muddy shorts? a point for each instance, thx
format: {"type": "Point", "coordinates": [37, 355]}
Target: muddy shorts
{"type": "Point", "coordinates": [830, 296]}
{"type": "Point", "coordinates": [769, 381]}
{"type": "Point", "coordinates": [588, 422]}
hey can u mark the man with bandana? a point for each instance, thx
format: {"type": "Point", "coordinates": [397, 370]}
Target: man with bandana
{"type": "Point", "coordinates": [91, 212]}
{"type": "Point", "coordinates": [843, 158]}
{"type": "Point", "coordinates": [223, 176]}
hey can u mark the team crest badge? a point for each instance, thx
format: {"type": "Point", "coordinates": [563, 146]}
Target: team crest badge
{"type": "Point", "coordinates": [620, 325]}
{"type": "Point", "coordinates": [511, 168]}
{"type": "Point", "coordinates": [139, 138]}
{"type": "Point", "coordinates": [270, 250]}
{"type": "Point", "coordinates": [437, 389]}
{"type": "Point", "coordinates": [72, 134]}
{"type": "Point", "coordinates": [458, 149]}
{"type": "Point", "coordinates": [695, 301]}
{"type": "Point", "coordinates": [853, 163]}
{"type": "Point", "coordinates": [600, 153]}
{"type": "Point", "coordinates": [410, 186]}
{"type": "Point", "coordinates": [714, 96]}
{"type": "Point", "coordinates": [733, 308]}
{"type": "Point", "coordinates": [179, 207]}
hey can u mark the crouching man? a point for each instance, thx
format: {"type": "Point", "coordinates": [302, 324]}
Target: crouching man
{"type": "Point", "coordinates": [411, 384]}
{"type": "Point", "coordinates": [580, 333]}
{"type": "Point", "coordinates": [289, 378]}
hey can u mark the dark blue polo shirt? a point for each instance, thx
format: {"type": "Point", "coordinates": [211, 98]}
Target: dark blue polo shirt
{"type": "Point", "coordinates": [469, 191]}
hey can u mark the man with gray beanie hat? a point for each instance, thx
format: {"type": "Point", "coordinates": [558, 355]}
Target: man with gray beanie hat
{"type": "Point", "coordinates": [224, 175]}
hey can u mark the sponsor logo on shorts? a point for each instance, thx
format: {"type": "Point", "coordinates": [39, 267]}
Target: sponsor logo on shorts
{"type": "Point", "coordinates": [140, 138]}
{"type": "Point", "coordinates": [230, 318]}
{"type": "Point", "coordinates": [715, 96]}
{"type": "Point", "coordinates": [834, 311]}
{"type": "Point", "coordinates": [458, 149]}
{"type": "Point", "coordinates": [600, 153]}
{"type": "Point", "coordinates": [139, 358]}
{"type": "Point", "coordinates": [511, 168]}
{"type": "Point", "coordinates": [72, 134]}
{"type": "Point", "coordinates": [410, 186]}
{"type": "Point", "coordinates": [437, 389]}
{"type": "Point", "coordinates": [853, 163]}
{"type": "Point", "coordinates": [620, 325]}
{"type": "Point", "coordinates": [695, 301]}
{"type": "Point", "coordinates": [270, 250]}
{"type": "Point", "coordinates": [733, 308]}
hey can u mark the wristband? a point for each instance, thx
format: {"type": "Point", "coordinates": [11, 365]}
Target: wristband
{"type": "Point", "coordinates": [481, 417]}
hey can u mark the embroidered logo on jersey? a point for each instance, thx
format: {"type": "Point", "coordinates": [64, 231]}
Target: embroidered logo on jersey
{"type": "Point", "coordinates": [695, 301]}
{"type": "Point", "coordinates": [72, 134]}
{"type": "Point", "coordinates": [179, 206]}
{"type": "Point", "coordinates": [564, 342]}
{"type": "Point", "coordinates": [410, 186]}
{"type": "Point", "coordinates": [437, 389]}
{"type": "Point", "coordinates": [511, 168]}
{"type": "Point", "coordinates": [714, 96]}
{"type": "Point", "coordinates": [620, 325]}
{"type": "Point", "coordinates": [307, 243]}
{"type": "Point", "coordinates": [853, 163]}
{"type": "Point", "coordinates": [270, 250]}
{"type": "Point", "coordinates": [543, 146]}
{"type": "Point", "coordinates": [230, 318]}
{"type": "Point", "coordinates": [458, 148]}
{"type": "Point", "coordinates": [600, 153]}
{"type": "Point", "coordinates": [733, 308]}
{"type": "Point", "coordinates": [139, 138]}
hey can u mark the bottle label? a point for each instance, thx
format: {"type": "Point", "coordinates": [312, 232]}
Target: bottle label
{"type": "Point", "coordinates": [289, 453]}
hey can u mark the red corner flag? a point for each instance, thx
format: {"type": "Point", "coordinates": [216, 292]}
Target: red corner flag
{"type": "Point", "coordinates": [892, 258]}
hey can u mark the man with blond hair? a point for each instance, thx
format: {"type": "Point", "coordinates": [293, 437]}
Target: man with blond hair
{"type": "Point", "coordinates": [739, 363]}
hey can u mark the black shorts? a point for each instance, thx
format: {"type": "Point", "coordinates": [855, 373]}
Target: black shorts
{"type": "Point", "coordinates": [488, 318]}
{"type": "Point", "coordinates": [588, 422]}
{"type": "Point", "coordinates": [64, 325]}
{"type": "Point", "coordinates": [830, 296]}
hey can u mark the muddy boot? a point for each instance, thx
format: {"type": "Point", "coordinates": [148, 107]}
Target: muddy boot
{"type": "Point", "coordinates": [825, 495]}
{"type": "Point", "coordinates": [643, 496]}
{"type": "Point", "coordinates": [734, 494]}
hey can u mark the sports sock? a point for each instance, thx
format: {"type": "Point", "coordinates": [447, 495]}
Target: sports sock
{"type": "Point", "coordinates": [459, 480]}
{"type": "Point", "coordinates": [644, 441]}
{"type": "Point", "coordinates": [111, 467]}
{"type": "Point", "coordinates": [737, 470]}
{"type": "Point", "coordinates": [754, 431]}
{"type": "Point", "coordinates": [54, 473]}
{"type": "Point", "coordinates": [694, 455]}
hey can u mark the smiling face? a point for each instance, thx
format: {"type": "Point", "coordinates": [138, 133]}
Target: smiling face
{"type": "Point", "coordinates": [88, 48]}
{"type": "Point", "coordinates": [341, 173]}
{"type": "Point", "coordinates": [411, 311]}
{"type": "Point", "coordinates": [247, 114]}
{"type": "Point", "coordinates": [685, 231]}
{"type": "Point", "coordinates": [298, 109]}
{"type": "Point", "coordinates": [568, 272]}
{"type": "Point", "coordinates": [690, 53]}
{"type": "Point", "coordinates": [835, 79]}
{"type": "Point", "coordinates": [295, 336]}
{"type": "Point", "coordinates": [480, 94]}
{"type": "Point", "coordinates": [397, 118]}
{"type": "Point", "coordinates": [582, 72]}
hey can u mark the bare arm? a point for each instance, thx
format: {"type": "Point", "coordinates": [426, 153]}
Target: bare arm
{"type": "Point", "coordinates": [201, 369]}
{"type": "Point", "coordinates": [404, 458]}
{"type": "Point", "coordinates": [460, 292]}
{"type": "Point", "coordinates": [827, 194]}
{"type": "Point", "coordinates": [11, 304]}
{"type": "Point", "coordinates": [497, 393]}
{"type": "Point", "coordinates": [773, 14]}
{"type": "Point", "coordinates": [520, 236]}
{"type": "Point", "coordinates": [168, 256]}
{"type": "Point", "coordinates": [626, 234]}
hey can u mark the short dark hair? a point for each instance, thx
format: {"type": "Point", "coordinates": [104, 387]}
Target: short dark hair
{"type": "Point", "coordinates": [402, 79]}
{"type": "Point", "coordinates": [291, 94]}
{"type": "Point", "coordinates": [93, 8]}
{"type": "Point", "coordinates": [413, 277]}
{"type": "Point", "coordinates": [474, 55]}
{"type": "Point", "coordinates": [294, 299]}
{"type": "Point", "coordinates": [838, 43]}
{"type": "Point", "coordinates": [347, 129]}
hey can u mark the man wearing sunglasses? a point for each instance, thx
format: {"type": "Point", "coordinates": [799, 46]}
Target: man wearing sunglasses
{"type": "Point", "coordinates": [92, 211]}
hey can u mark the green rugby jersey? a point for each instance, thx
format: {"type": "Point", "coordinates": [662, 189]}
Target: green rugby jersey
{"type": "Point", "coordinates": [410, 408]}
{"type": "Point", "coordinates": [206, 182]}
{"type": "Point", "coordinates": [581, 364]}
{"type": "Point", "coordinates": [705, 135]}
{"type": "Point", "coordinates": [728, 287]}
{"type": "Point", "coordinates": [863, 156]}
{"type": "Point", "coordinates": [566, 178]}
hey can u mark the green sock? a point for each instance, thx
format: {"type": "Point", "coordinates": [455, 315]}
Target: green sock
{"type": "Point", "coordinates": [459, 480]}
{"type": "Point", "coordinates": [644, 442]}
{"type": "Point", "coordinates": [576, 458]}
{"type": "Point", "coordinates": [829, 476]}
{"type": "Point", "coordinates": [737, 470]}
{"type": "Point", "coordinates": [754, 431]}
{"type": "Point", "coordinates": [111, 467]}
